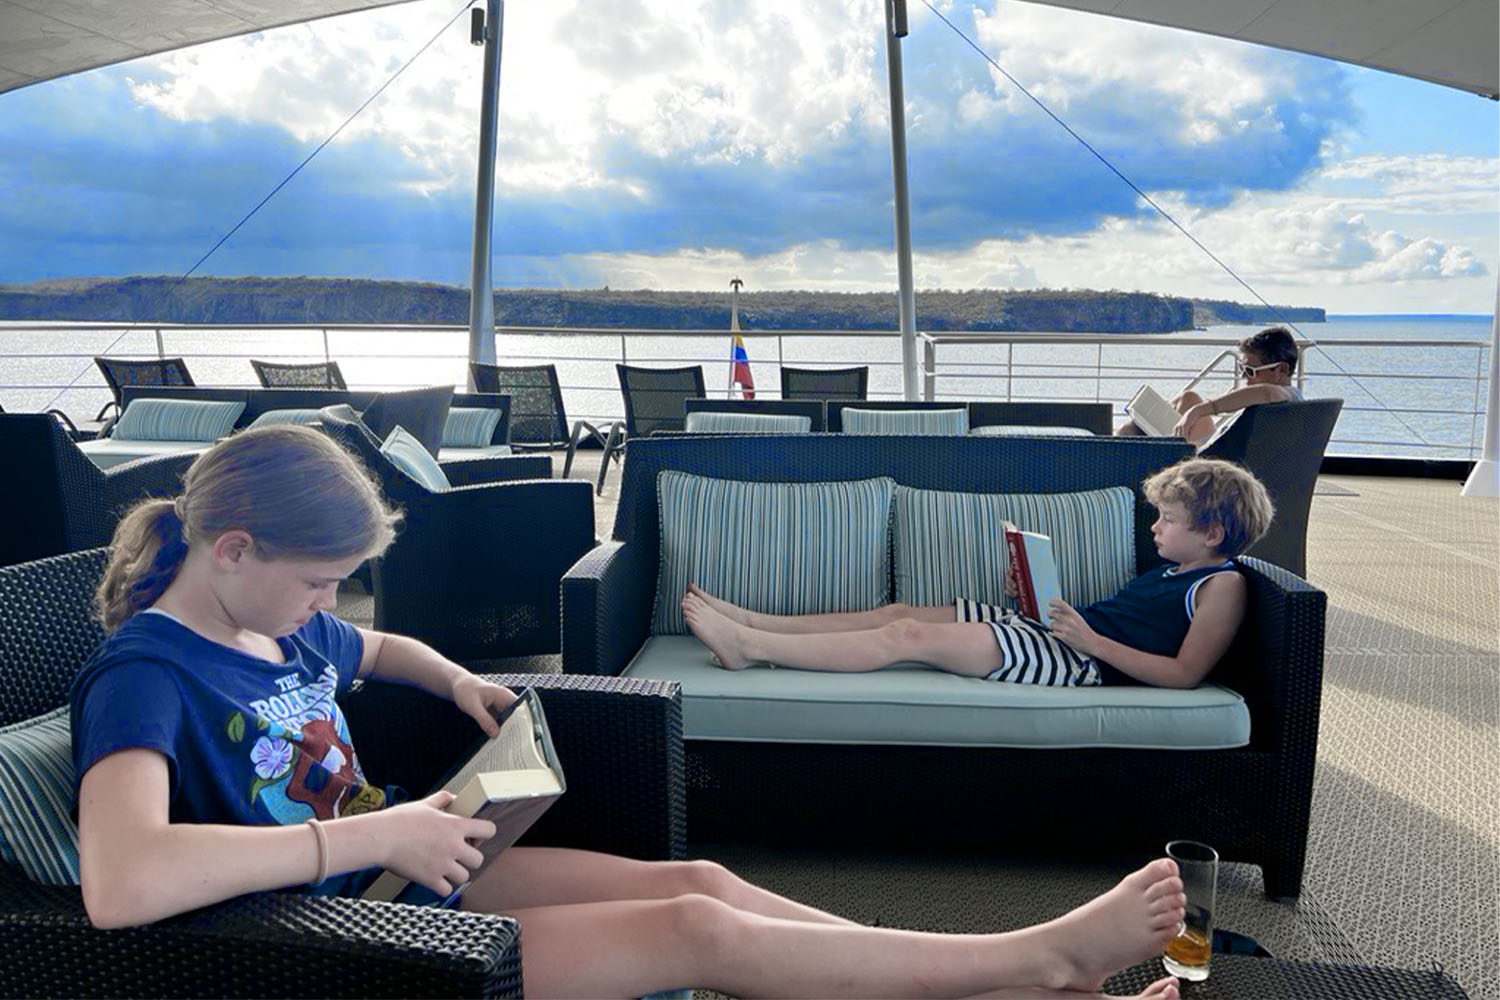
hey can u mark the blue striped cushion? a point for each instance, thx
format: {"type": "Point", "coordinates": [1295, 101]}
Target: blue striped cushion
{"type": "Point", "coordinates": [856, 421]}
{"type": "Point", "coordinates": [402, 448]}
{"type": "Point", "coordinates": [37, 831]}
{"type": "Point", "coordinates": [178, 419]}
{"type": "Point", "coordinates": [1029, 430]}
{"type": "Point", "coordinates": [272, 417]}
{"type": "Point", "coordinates": [950, 545]}
{"type": "Point", "coordinates": [722, 422]}
{"type": "Point", "coordinates": [470, 426]}
{"type": "Point", "coordinates": [784, 548]}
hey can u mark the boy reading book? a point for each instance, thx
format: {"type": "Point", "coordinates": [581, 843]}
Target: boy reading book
{"type": "Point", "coordinates": [1167, 627]}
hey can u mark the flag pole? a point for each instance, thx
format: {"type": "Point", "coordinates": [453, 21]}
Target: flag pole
{"type": "Point", "coordinates": [734, 326]}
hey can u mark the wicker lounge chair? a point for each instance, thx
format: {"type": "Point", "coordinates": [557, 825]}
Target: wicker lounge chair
{"type": "Point", "coordinates": [825, 383]}
{"type": "Point", "coordinates": [1283, 444]}
{"type": "Point", "coordinates": [620, 744]}
{"type": "Point", "coordinates": [318, 374]}
{"type": "Point", "coordinates": [56, 500]}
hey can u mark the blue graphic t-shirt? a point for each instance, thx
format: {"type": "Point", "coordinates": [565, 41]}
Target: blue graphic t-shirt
{"type": "Point", "coordinates": [247, 741]}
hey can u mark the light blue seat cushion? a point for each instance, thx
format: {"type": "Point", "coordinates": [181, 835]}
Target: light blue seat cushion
{"type": "Point", "coordinates": [949, 544]}
{"type": "Point", "coordinates": [719, 422]}
{"type": "Point", "coordinates": [784, 548]}
{"type": "Point", "coordinates": [410, 457]}
{"type": "Point", "coordinates": [470, 426]}
{"type": "Point", "coordinates": [37, 832]}
{"type": "Point", "coordinates": [490, 451]}
{"type": "Point", "coordinates": [1028, 430]}
{"type": "Point", "coordinates": [106, 453]}
{"type": "Point", "coordinates": [272, 418]}
{"type": "Point", "coordinates": [921, 707]}
{"type": "Point", "coordinates": [177, 419]}
{"type": "Point", "coordinates": [945, 422]}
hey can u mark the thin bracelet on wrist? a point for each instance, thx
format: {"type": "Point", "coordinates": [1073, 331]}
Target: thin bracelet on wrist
{"type": "Point", "coordinates": [322, 838]}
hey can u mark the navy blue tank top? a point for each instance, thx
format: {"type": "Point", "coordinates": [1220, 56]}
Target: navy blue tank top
{"type": "Point", "coordinates": [1150, 613]}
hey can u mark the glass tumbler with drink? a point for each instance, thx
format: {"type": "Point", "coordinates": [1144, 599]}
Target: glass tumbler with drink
{"type": "Point", "coordinates": [1187, 954]}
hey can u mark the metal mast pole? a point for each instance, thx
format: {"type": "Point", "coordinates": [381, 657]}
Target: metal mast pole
{"type": "Point", "coordinates": [481, 281]}
{"type": "Point", "coordinates": [734, 325]}
{"type": "Point", "coordinates": [1484, 481]}
{"type": "Point", "coordinates": [895, 30]}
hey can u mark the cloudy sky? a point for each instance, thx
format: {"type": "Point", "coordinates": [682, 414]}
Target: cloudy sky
{"type": "Point", "coordinates": [680, 143]}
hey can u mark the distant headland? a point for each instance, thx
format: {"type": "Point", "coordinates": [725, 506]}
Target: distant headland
{"type": "Point", "coordinates": [148, 299]}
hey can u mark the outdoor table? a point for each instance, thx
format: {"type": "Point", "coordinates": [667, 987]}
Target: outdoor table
{"type": "Point", "coordinates": [1242, 977]}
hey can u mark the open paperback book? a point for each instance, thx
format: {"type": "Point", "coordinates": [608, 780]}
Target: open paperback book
{"type": "Point", "coordinates": [1036, 572]}
{"type": "Point", "coordinates": [1151, 413]}
{"type": "Point", "coordinates": [509, 780]}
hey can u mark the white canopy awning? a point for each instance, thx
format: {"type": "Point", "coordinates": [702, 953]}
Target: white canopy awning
{"type": "Point", "coordinates": [1452, 42]}
{"type": "Point", "coordinates": [45, 39]}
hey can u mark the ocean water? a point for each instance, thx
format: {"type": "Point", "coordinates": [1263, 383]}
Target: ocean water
{"type": "Point", "coordinates": [1411, 385]}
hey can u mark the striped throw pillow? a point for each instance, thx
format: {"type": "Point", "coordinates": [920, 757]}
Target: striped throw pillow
{"type": "Point", "coordinates": [1029, 430]}
{"type": "Point", "coordinates": [37, 832]}
{"type": "Point", "coordinates": [178, 419]}
{"type": "Point", "coordinates": [410, 457]}
{"type": "Point", "coordinates": [946, 422]}
{"type": "Point", "coordinates": [719, 422]}
{"type": "Point", "coordinates": [783, 548]}
{"type": "Point", "coordinates": [470, 426]}
{"type": "Point", "coordinates": [273, 417]}
{"type": "Point", "coordinates": [950, 545]}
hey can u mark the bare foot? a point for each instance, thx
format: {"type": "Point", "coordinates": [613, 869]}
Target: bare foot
{"type": "Point", "coordinates": [1126, 925]}
{"type": "Point", "coordinates": [1162, 989]}
{"type": "Point", "coordinates": [733, 612]}
{"type": "Point", "coordinates": [723, 637]}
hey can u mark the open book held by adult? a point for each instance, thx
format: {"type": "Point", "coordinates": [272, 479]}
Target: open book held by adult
{"type": "Point", "coordinates": [1035, 572]}
{"type": "Point", "coordinates": [510, 780]}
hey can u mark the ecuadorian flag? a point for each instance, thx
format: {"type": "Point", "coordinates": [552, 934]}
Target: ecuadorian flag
{"type": "Point", "coordinates": [741, 369]}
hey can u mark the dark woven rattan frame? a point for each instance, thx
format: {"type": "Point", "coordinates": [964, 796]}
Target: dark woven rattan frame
{"type": "Point", "coordinates": [1252, 803]}
{"type": "Point", "coordinates": [313, 375]}
{"type": "Point", "coordinates": [56, 500]}
{"type": "Point", "coordinates": [1283, 444]}
{"type": "Point", "coordinates": [823, 384]}
{"type": "Point", "coordinates": [620, 743]}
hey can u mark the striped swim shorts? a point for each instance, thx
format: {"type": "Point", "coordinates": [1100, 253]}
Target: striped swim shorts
{"type": "Point", "coordinates": [1031, 653]}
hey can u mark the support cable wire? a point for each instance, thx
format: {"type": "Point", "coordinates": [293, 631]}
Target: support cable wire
{"type": "Point", "coordinates": [1168, 216]}
{"type": "Point", "coordinates": [271, 194]}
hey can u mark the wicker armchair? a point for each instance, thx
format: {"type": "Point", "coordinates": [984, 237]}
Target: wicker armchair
{"type": "Point", "coordinates": [1283, 444]}
{"type": "Point", "coordinates": [57, 500]}
{"type": "Point", "coordinates": [318, 375]}
{"type": "Point", "coordinates": [474, 572]}
{"type": "Point", "coordinates": [619, 742]}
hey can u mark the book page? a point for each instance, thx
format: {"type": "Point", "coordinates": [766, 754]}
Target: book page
{"type": "Point", "coordinates": [1042, 563]}
{"type": "Point", "coordinates": [515, 749]}
{"type": "Point", "coordinates": [1151, 413]}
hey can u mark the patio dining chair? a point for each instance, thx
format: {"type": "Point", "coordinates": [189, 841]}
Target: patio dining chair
{"type": "Point", "coordinates": [655, 400]}
{"type": "Point", "coordinates": [537, 417]}
{"type": "Point", "coordinates": [825, 383]}
{"type": "Point", "coordinates": [316, 374]}
{"type": "Point", "coordinates": [120, 372]}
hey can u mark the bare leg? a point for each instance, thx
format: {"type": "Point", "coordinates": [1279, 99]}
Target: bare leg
{"type": "Point", "coordinates": [1129, 429]}
{"type": "Point", "coordinates": [1163, 989]}
{"type": "Point", "coordinates": [837, 621]}
{"type": "Point", "coordinates": [1202, 428]}
{"type": "Point", "coordinates": [529, 877]}
{"type": "Point", "coordinates": [959, 647]}
{"type": "Point", "coordinates": [633, 947]}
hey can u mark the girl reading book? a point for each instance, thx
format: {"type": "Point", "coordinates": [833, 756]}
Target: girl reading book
{"type": "Point", "coordinates": [213, 760]}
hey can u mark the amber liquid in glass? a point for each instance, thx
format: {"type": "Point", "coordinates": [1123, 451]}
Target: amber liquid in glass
{"type": "Point", "coordinates": [1187, 954]}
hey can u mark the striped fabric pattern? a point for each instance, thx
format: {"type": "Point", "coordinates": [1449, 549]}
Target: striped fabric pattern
{"type": "Point", "coordinates": [272, 418]}
{"type": "Point", "coordinates": [952, 545]}
{"type": "Point", "coordinates": [178, 419]}
{"type": "Point", "coordinates": [37, 832]}
{"type": "Point", "coordinates": [946, 422]}
{"type": "Point", "coordinates": [783, 548]}
{"type": "Point", "coordinates": [716, 422]}
{"type": "Point", "coordinates": [470, 426]}
{"type": "Point", "coordinates": [1031, 653]}
{"type": "Point", "coordinates": [1028, 430]}
{"type": "Point", "coordinates": [410, 457]}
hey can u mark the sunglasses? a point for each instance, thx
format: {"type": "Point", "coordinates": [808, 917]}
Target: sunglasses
{"type": "Point", "coordinates": [1250, 371]}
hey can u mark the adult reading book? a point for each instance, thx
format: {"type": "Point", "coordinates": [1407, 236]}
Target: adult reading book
{"type": "Point", "coordinates": [510, 780]}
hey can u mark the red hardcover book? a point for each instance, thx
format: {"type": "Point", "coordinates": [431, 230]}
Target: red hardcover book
{"type": "Point", "coordinates": [1015, 542]}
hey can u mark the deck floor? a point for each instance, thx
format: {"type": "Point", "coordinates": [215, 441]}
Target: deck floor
{"type": "Point", "coordinates": [1404, 859]}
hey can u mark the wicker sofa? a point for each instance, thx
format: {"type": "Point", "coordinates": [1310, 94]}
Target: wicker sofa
{"type": "Point", "coordinates": [1251, 801]}
{"type": "Point", "coordinates": [619, 742]}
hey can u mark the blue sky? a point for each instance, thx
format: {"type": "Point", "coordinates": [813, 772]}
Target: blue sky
{"type": "Point", "coordinates": [682, 143]}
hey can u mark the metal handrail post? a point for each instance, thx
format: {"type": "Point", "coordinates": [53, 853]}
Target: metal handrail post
{"type": "Point", "coordinates": [161, 351]}
{"type": "Point", "coordinates": [929, 370]}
